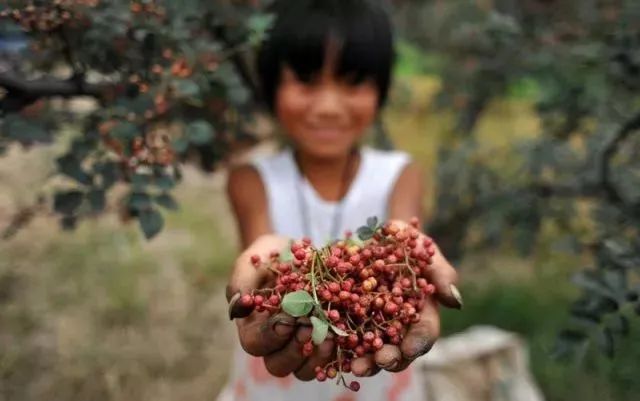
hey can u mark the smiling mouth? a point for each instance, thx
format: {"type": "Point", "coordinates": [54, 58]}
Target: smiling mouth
{"type": "Point", "coordinates": [326, 133]}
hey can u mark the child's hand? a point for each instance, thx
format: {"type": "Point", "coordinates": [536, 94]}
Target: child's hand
{"type": "Point", "coordinates": [423, 334]}
{"type": "Point", "coordinates": [278, 338]}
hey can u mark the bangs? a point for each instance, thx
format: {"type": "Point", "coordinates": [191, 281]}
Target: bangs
{"type": "Point", "coordinates": [304, 30]}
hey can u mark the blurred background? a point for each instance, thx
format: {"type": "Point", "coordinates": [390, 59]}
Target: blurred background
{"type": "Point", "coordinates": [118, 120]}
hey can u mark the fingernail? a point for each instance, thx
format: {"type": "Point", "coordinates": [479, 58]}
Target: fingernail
{"type": "Point", "coordinates": [456, 294]}
{"type": "Point", "coordinates": [232, 304]}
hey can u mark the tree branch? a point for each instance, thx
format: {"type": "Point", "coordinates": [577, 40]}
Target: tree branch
{"type": "Point", "coordinates": [22, 92]}
{"type": "Point", "coordinates": [609, 152]}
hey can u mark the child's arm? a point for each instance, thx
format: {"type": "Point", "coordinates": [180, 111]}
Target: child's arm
{"type": "Point", "coordinates": [249, 203]}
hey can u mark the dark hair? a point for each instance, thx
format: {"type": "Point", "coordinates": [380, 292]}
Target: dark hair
{"type": "Point", "coordinates": [361, 28]}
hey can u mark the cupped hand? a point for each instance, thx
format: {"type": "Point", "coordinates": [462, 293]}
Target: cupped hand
{"type": "Point", "coordinates": [278, 338]}
{"type": "Point", "coordinates": [420, 336]}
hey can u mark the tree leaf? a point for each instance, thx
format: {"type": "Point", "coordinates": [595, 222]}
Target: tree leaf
{"type": "Point", "coordinates": [166, 200]}
{"type": "Point", "coordinates": [187, 88]}
{"type": "Point", "coordinates": [140, 201]}
{"type": "Point", "coordinates": [151, 222]}
{"type": "Point", "coordinates": [180, 145]}
{"type": "Point", "coordinates": [286, 255]}
{"type": "Point", "coordinates": [320, 330]}
{"type": "Point", "coordinates": [298, 303]}
{"type": "Point", "coordinates": [200, 132]}
{"type": "Point", "coordinates": [372, 222]}
{"type": "Point", "coordinates": [339, 332]}
{"type": "Point", "coordinates": [97, 200]}
{"type": "Point", "coordinates": [71, 167]}
{"type": "Point", "coordinates": [590, 281]}
{"type": "Point", "coordinates": [364, 233]}
{"type": "Point", "coordinates": [604, 339]}
{"type": "Point", "coordinates": [125, 131]}
{"type": "Point", "coordinates": [67, 202]}
{"type": "Point", "coordinates": [619, 324]}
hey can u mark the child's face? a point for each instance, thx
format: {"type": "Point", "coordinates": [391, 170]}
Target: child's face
{"type": "Point", "coordinates": [328, 115]}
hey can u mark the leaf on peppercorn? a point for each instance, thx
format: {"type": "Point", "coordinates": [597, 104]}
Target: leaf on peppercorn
{"type": "Point", "coordinates": [298, 303]}
{"type": "Point", "coordinates": [372, 222]}
{"type": "Point", "coordinates": [320, 330]}
{"type": "Point", "coordinates": [339, 331]}
{"type": "Point", "coordinates": [364, 233]}
{"type": "Point", "coordinates": [286, 255]}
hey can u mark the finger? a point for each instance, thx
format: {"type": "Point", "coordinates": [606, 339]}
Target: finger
{"type": "Point", "coordinates": [364, 366]}
{"type": "Point", "coordinates": [322, 355]}
{"type": "Point", "coordinates": [262, 335]}
{"type": "Point", "coordinates": [289, 359]}
{"type": "Point", "coordinates": [444, 277]}
{"type": "Point", "coordinates": [423, 334]}
{"type": "Point", "coordinates": [388, 357]}
{"type": "Point", "coordinates": [245, 277]}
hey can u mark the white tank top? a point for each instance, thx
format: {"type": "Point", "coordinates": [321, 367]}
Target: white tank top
{"type": "Point", "coordinates": [367, 196]}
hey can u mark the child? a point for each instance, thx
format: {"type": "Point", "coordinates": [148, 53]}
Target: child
{"type": "Point", "coordinates": [325, 71]}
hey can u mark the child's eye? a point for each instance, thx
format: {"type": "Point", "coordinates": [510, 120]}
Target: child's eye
{"type": "Point", "coordinates": [309, 78]}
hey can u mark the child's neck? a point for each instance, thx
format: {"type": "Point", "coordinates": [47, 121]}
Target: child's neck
{"type": "Point", "coordinates": [331, 178]}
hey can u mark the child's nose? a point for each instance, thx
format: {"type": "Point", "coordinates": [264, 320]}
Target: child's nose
{"type": "Point", "coordinates": [328, 102]}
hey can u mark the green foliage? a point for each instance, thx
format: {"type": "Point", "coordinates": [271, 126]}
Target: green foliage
{"type": "Point", "coordinates": [298, 303]}
{"type": "Point", "coordinates": [170, 80]}
{"type": "Point", "coordinates": [320, 330]}
{"type": "Point", "coordinates": [579, 177]}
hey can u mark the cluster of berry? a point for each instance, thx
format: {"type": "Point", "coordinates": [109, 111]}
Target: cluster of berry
{"type": "Point", "coordinates": [366, 292]}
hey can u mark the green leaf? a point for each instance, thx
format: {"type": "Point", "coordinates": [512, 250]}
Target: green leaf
{"type": "Point", "coordinates": [68, 202]}
{"type": "Point", "coordinates": [364, 233]}
{"type": "Point", "coordinates": [604, 339]}
{"type": "Point", "coordinates": [125, 131]}
{"type": "Point", "coordinates": [166, 200]}
{"type": "Point", "coordinates": [141, 181]}
{"type": "Point", "coordinates": [71, 167]}
{"type": "Point", "coordinates": [298, 303]}
{"type": "Point", "coordinates": [339, 332]}
{"type": "Point", "coordinates": [187, 88]}
{"type": "Point", "coordinates": [200, 132]}
{"type": "Point", "coordinates": [140, 201]}
{"type": "Point", "coordinates": [619, 325]}
{"type": "Point", "coordinates": [590, 281]}
{"type": "Point", "coordinates": [180, 145]}
{"type": "Point", "coordinates": [320, 330]}
{"type": "Point", "coordinates": [110, 173]}
{"type": "Point", "coordinates": [151, 222]}
{"type": "Point", "coordinates": [165, 182]}
{"type": "Point", "coordinates": [97, 199]}
{"type": "Point", "coordinates": [286, 255]}
{"type": "Point", "coordinates": [23, 130]}
{"type": "Point", "coordinates": [372, 222]}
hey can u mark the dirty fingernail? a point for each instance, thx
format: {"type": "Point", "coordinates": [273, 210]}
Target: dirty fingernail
{"type": "Point", "coordinates": [232, 306]}
{"type": "Point", "coordinates": [456, 294]}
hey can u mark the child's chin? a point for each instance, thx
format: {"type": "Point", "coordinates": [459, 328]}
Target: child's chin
{"type": "Point", "coordinates": [328, 150]}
